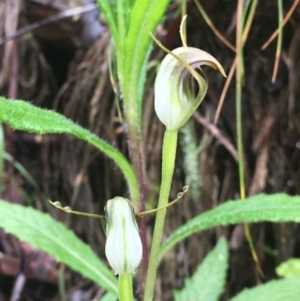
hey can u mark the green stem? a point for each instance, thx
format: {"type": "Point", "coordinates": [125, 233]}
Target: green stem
{"type": "Point", "coordinates": [168, 163]}
{"type": "Point", "coordinates": [125, 287]}
{"type": "Point", "coordinates": [137, 161]}
{"type": "Point", "coordinates": [136, 158]}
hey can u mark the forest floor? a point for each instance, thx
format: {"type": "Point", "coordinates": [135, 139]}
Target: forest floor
{"type": "Point", "coordinates": [64, 66]}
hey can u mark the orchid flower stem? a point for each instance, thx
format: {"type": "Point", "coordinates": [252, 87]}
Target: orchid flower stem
{"type": "Point", "coordinates": [168, 163]}
{"type": "Point", "coordinates": [125, 287]}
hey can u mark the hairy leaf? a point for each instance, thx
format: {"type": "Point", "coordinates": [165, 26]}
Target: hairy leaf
{"type": "Point", "coordinates": [21, 115]}
{"type": "Point", "coordinates": [137, 44]}
{"type": "Point", "coordinates": [44, 233]}
{"type": "Point", "coordinates": [107, 10]}
{"type": "Point", "coordinates": [259, 208]}
{"type": "Point", "coordinates": [208, 281]}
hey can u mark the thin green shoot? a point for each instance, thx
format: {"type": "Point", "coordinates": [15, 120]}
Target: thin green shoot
{"type": "Point", "coordinates": [61, 283]}
{"type": "Point", "coordinates": [279, 41]}
{"type": "Point", "coordinates": [113, 76]}
{"type": "Point", "coordinates": [239, 75]}
{"type": "Point", "coordinates": [23, 171]}
{"type": "Point", "coordinates": [248, 22]}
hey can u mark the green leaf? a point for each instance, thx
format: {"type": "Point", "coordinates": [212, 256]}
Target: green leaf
{"type": "Point", "coordinates": [2, 145]}
{"type": "Point", "coordinates": [278, 290]}
{"type": "Point", "coordinates": [21, 115]}
{"type": "Point", "coordinates": [289, 268]}
{"type": "Point", "coordinates": [109, 297]}
{"type": "Point", "coordinates": [46, 234]}
{"type": "Point", "coordinates": [208, 281]}
{"type": "Point", "coordinates": [137, 44]}
{"type": "Point", "coordinates": [106, 9]}
{"type": "Point", "coordinates": [259, 208]}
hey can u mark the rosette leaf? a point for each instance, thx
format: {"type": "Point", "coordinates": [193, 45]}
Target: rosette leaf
{"type": "Point", "coordinates": [181, 85]}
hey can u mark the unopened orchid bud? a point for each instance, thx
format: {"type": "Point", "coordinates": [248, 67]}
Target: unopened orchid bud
{"type": "Point", "coordinates": [123, 243]}
{"type": "Point", "coordinates": [176, 97]}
